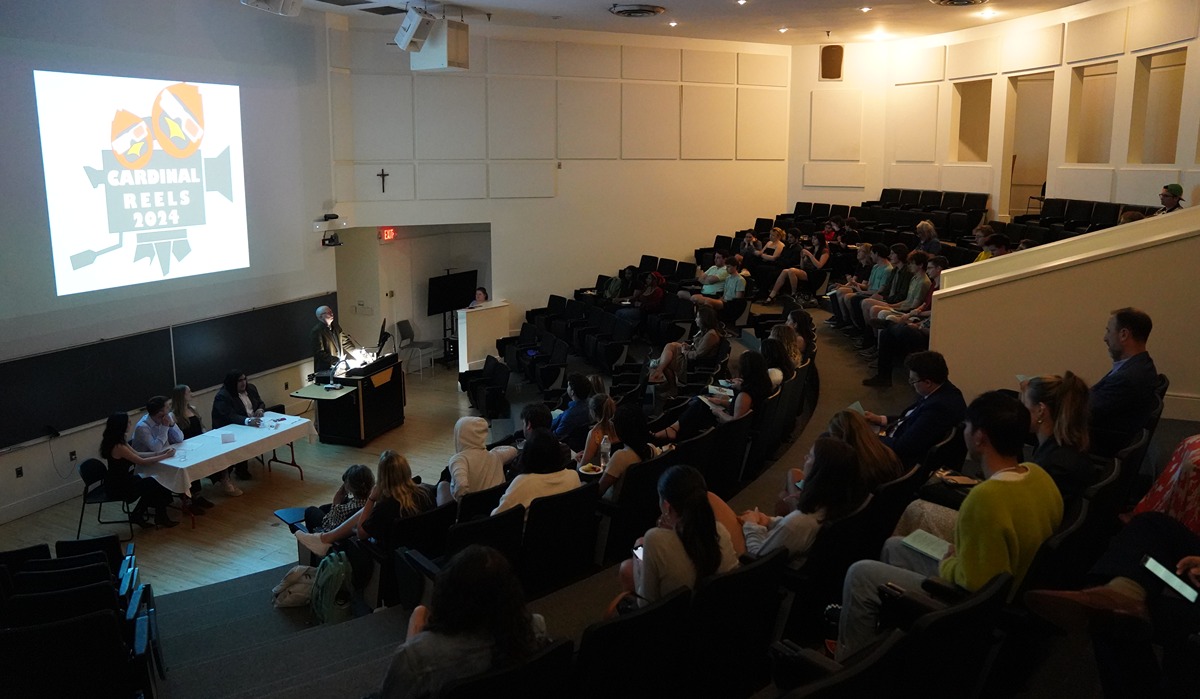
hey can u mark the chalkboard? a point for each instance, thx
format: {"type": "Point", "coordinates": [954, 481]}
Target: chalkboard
{"type": "Point", "coordinates": [60, 390]}
{"type": "Point", "coordinates": [52, 392]}
{"type": "Point", "coordinates": [251, 342]}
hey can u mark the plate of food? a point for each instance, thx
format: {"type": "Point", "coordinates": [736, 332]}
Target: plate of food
{"type": "Point", "coordinates": [590, 469]}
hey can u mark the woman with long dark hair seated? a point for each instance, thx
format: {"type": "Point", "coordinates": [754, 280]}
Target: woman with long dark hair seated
{"type": "Point", "coordinates": [832, 488]}
{"type": "Point", "coordinates": [630, 424]}
{"type": "Point", "coordinates": [476, 621]}
{"type": "Point", "coordinates": [673, 361]}
{"type": "Point", "coordinates": [779, 365]}
{"type": "Point", "coordinates": [122, 482]}
{"type": "Point", "coordinates": [687, 545]}
{"type": "Point", "coordinates": [751, 389]}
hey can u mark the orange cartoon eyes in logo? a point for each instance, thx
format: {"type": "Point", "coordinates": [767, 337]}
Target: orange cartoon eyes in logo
{"type": "Point", "coordinates": [131, 142]}
{"type": "Point", "coordinates": [178, 119]}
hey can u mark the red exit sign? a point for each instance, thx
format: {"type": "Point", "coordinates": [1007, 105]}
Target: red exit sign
{"type": "Point", "coordinates": [387, 234]}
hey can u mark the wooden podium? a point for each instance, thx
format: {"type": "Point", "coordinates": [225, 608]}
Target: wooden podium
{"type": "Point", "coordinates": [477, 329]}
{"type": "Point", "coordinates": [370, 402]}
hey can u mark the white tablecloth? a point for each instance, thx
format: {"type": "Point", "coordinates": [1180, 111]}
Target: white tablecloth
{"type": "Point", "coordinates": [206, 454]}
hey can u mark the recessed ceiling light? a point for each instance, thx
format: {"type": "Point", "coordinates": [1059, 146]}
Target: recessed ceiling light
{"type": "Point", "coordinates": [783, 30]}
{"type": "Point", "coordinates": [672, 23]}
{"type": "Point", "coordinates": [988, 13]}
{"type": "Point", "coordinates": [864, 9]}
{"type": "Point", "coordinates": [877, 35]}
{"type": "Point", "coordinates": [741, 2]}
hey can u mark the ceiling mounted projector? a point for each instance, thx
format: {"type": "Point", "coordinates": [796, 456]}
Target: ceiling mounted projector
{"type": "Point", "coordinates": [284, 8]}
{"type": "Point", "coordinates": [414, 30]}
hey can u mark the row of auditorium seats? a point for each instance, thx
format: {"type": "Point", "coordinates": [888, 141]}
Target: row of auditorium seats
{"type": "Point", "coordinates": [79, 624]}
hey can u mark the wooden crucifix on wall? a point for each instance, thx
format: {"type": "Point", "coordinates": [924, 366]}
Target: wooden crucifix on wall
{"type": "Point", "coordinates": [383, 175]}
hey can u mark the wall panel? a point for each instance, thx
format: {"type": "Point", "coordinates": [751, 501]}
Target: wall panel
{"type": "Point", "coordinates": [836, 132]}
{"type": "Point", "coordinates": [649, 121]}
{"type": "Point", "coordinates": [709, 67]}
{"type": "Point", "coordinates": [1096, 36]}
{"type": "Point", "coordinates": [451, 180]}
{"type": "Point", "coordinates": [589, 60]}
{"type": "Point", "coordinates": [508, 57]}
{"type": "Point", "coordinates": [521, 118]}
{"type": "Point", "coordinates": [521, 179]}
{"type": "Point", "coordinates": [760, 69]}
{"type": "Point", "coordinates": [646, 63]}
{"type": "Point", "coordinates": [450, 121]}
{"type": "Point", "coordinates": [973, 58]}
{"type": "Point", "coordinates": [914, 110]}
{"type": "Point", "coordinates": [708, 123]}
{"type": "Point", "coordinates": [589, 119]}
{"type": "Point", "coordinates": [761, 124]}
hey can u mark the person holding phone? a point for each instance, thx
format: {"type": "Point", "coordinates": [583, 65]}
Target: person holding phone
{"type": "Point", "coordinates": [1125, 608]}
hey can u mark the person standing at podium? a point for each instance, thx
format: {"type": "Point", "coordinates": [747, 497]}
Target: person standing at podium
{"type": "Point", "coordinates": [328, 341]}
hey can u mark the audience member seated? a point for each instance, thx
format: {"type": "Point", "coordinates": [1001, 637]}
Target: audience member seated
{"type": "Point", "coordinates": [1058, 408]}
{"type": "Point", "coordinates": [672, 363]}
{"type": "Point", "coordinates": [712, 280]}
{"type": "Point", "coordinates": [1171, 198]}
{"type": "Point", "coordinates": [1176, 492]}
{"type": "Point", "coordinates": [473, 467]}
{"type": "Point", "coordinates": [855, 291]}
{"type": "Point", "coordinates": [394, 496]}
{"type": "Point", "coordinates": [1122, 402]}
{"type": "Point", "coordinates": [238, 403]}
{"type": "Point", "coordinates": [806, 335]}
{"type": "Point", "coordinates": [188, 418]}
{"type": "Point", "coordinates": [997, 245]}
{"type": "Point", "coordinates": [630, 424]}
{"type": "Point", "coordinates": [351, 495]}
{"type": "Point", "coordinates": [533, 416]}
{"type": "Point", "coordinates": [476, 621]}
{"type": "Point", "coordinates": [687, 546]}
{"type": "Point", "coordinates": [927, 234]}
{"type": "Point", "coordinates": [601, 407]}
{"type": "Point", "coordinates": [877, 464]}
{"type": "Point", "coordinates": [938, 409]}
{"type": "Point", "coordinates": [622, 286]}
{"type": "Point", "coordinates": [1001, 525]}
{"type": "Point", "coordinates": [981, 233]}
{"type": "Point", "coordinates": [543, 473]}
{"type": "Point", "coordinates": [1126, 608]}
{"type": "Point", "coordinates": [751, 387]}
{"type": "Point", "coordinates": [647, 300]}
{"type": "Point", "coordinates": [905, 333]}
{"type": "Point", "coordinates": [754, 253]}
{"type": "Point", "coordinates": [813, 256]}
{"type": "Point", "coordinates": [572, 425]}
{"type": "Point", "coordinates": [895, 292]}
{"type": "Point", "coordinates": [779, 365]}
{"type": "Point", "coordinates": [831, 488]}
{"type": "Point", "coordinates": [122, 482]}
{"type": "Point", "coordinates": [918, 288]}
{"type": "Point", "coordinates": [733, 288]}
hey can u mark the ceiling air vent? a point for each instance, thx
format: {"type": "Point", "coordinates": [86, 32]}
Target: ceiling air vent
{"type": "Point", "coordinates": [637, 10]}
{"type": "Point", "coordinates": [958, 3]}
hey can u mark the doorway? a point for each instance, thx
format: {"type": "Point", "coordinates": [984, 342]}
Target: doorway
{"type": "Point", "coordinates": [1027, 141]}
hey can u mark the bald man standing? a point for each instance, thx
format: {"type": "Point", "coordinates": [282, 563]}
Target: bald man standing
{"type": "Point", "coordinates": [328, 340]}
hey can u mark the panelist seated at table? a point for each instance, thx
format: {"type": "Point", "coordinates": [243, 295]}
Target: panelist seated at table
{"type": "Point", "coordinates": [238, 403]}
{"type": "Point", "coordinates": [394, 496]}
{"type": "Point", "coordinates": [155, 432]}
{"type": "Point", "coordinates": [122, 482]}
{"type": "Point", "coordinates": [185, 415]}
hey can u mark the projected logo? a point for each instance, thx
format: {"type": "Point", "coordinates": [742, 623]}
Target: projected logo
{"type": "Point", "coordinates": [155, 177]}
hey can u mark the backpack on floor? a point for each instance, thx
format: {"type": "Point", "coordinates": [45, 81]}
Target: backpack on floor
{"type": "Point", "coordinates": [331, 591]}
{"type": "Point", "coordinates": [295, 590]}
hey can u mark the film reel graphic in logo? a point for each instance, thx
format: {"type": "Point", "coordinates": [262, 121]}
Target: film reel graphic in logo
{"type": "Point", "coordinates": [155, 178]}
{"type": "Point", "coordinates": [178, 120]}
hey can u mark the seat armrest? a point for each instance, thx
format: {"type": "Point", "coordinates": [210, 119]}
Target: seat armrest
{"type": "Point", "coordinates": [901, 607]}
{"type": "Point", "coordinates": [943, 590]}
{"type": "Point", "coordinates": [421, 563]}
{"type": "Point", "coordinates": [793, 665]}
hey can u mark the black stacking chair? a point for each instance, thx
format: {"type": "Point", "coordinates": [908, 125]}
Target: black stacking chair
{"type": "Point", "coordinates": [560, 540]}
{"type": "Point", "coordinates": [92, 472]}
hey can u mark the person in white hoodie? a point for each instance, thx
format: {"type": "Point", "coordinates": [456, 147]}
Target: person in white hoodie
{"type": "Point", "coordinates": [474, 467]}
{"type": "Point", "coordinates": [543, 473]}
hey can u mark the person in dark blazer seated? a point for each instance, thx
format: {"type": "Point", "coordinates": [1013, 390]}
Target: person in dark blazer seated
{"type": "Point", "coordinates": [939, 408]}
{"type": "Point", "coordinates": [238, 403]}
{"type": "Point", "coordinates": [571, 426]}
{"type": "Point", "coordinates": [328, 341]}
{"type": "Point", "coordinates": [1122, 401]}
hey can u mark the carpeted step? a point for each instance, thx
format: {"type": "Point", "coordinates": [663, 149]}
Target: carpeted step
{"type": "Point", "coordinates": [186, 601]}
{"type": "Point", "coordinates": [239, 668]}
{"type": "Point", "coordinates": [350, 678]}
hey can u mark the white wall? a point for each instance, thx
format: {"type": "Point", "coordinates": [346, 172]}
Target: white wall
{"type": "Point", "coordinates": [578, 151]}
{"type": "Point", "coordinates": [908, 87]}
{"type": "Point", "coordinates": [1043, 310]}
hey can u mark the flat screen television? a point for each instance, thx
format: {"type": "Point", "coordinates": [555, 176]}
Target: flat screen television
{"type": "Point", "coordinates": [451, 292]}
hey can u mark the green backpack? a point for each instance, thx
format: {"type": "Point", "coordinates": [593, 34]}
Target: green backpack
{"type": "Point", "coordinates": [332, 592]}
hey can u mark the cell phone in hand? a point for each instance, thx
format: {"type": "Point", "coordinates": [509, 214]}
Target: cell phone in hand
{"type": "Point", "coordinates": [1169, 577]}
{"type": "Point", "coordinates": [637, 553]}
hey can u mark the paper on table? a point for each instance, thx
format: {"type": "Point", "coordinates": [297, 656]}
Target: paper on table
{"type": "Point", "coordinates": [928, 544]}
{"type": "Point", "coordinates": [856, 407]}
{"type": "Point", "coordinates": [227, 437]}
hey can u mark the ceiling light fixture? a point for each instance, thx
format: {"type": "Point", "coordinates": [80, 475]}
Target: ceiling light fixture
{"type": "Point", "coordinates": [988, 13]}
{"type": "Point", "coordinates": [672, 24]}
{"type": "Point", "coordinates": [783, 30]}
{"type": "Point", "coordinates": [636, 10]}
{"type": "Point", "coordinates": [864, 10]}
{"type": "Point", "coordinates": [957, 3]}
{"type": "Point", "coordinates": [741, 2]}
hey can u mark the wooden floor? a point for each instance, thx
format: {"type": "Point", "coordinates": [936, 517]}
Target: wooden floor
{"type": "Point", "coordinates": [241, 535]}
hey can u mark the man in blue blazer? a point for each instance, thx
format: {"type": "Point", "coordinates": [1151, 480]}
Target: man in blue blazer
{"type": "Point", "coordinates": [939, 408]}
{"type": "Point", "coordinates": [1122, 401]}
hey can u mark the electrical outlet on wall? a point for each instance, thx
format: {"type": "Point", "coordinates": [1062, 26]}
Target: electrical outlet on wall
{"type": "Point", "coordinates": [20, 472]}
{"type": "Point", "coordinates": [74, 456]}
{"type": "Point", "coordinates": [285, 385]}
